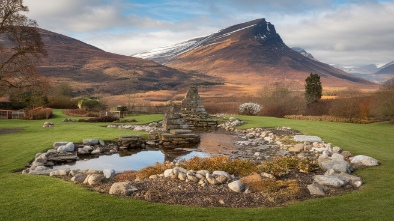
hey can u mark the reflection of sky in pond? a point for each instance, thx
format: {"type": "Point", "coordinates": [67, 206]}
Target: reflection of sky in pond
{"type": "Point", "coordinates": [135, 161]}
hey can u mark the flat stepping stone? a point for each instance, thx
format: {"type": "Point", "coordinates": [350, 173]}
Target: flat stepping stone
{"type": "Point", "coordinates": [302, 138]}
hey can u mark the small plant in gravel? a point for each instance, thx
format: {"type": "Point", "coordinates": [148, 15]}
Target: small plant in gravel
{"type": "Point", "coordinates": [238, 167]}
{"type": "Point", "coordinates": [278, 190]}
{"type": "Point", "coordinates": [281, 166]}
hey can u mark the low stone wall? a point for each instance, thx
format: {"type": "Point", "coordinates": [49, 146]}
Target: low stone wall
{"type": "Point", "coordinates": [179, 137]}
{"type": "Point", "coordinates": [201, 124]}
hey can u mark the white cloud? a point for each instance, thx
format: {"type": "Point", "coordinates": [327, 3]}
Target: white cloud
{"type": "Point", "coordinates": [350, 33]}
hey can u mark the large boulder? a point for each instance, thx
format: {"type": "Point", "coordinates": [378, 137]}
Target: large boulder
{"type": "Point", "coordinates": [109, 173]}
{"type": "Point", "coordinates": [93, 179]}
{"type": "Point", "coordinates": [332, 181]}
{"type": "Point", "coordinates": [337, 165]}
{"type": "Point", "coordinates": [237, 186]}
{"type": "Point", "coordinates": [69, 147]}
{"type": "Point", "coordinates": [90, 141]}
{"type": "Point", "coordinates": [122, 189]}
{"type": "Point", "coordinates": [355, 181]}
{"type": "Point", "coordinates": [364, 161]}
{"type": "Point", "coordinates": [303, 138]}
{"type": "Point", "coordinates": [221, 173]}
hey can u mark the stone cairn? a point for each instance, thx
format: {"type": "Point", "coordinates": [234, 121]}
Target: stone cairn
{"type": "Point", "coordinates": [176, 130]}
{"type": "Point", "coordinates": [178, 126]}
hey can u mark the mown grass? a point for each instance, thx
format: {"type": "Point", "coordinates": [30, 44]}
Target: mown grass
{"type": "Point", "coordinates": [30, 197]}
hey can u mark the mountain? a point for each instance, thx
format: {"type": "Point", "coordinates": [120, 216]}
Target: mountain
{"type": "Point", "coordinates": [386, 69]}
{"type": "Point", "coordinates": [303, 52]}
{"type": "Point", "coordinates": [371, 72]}
{"type": "Point", "coordinates": [248, 54]}
{"type": "Point", "coordinates": [90, 70]}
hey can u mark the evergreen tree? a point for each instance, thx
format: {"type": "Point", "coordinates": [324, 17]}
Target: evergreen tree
{"type": "Point", "coordinates": [313, 88]}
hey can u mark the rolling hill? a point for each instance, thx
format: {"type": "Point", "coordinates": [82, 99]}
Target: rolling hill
{"type": "Point", "coordinates": [90, 70]}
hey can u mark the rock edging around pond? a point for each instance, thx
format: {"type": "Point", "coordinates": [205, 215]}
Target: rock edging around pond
{"type": "Point", "coordinates": [201, 188]}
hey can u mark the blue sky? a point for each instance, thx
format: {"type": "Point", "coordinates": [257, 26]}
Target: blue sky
{"type": "Point", "coordinates": [348, 32]}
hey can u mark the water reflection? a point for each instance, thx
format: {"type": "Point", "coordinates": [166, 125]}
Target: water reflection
{"type": "Point", "coordinates": [131, 160]}
{"type": "Point", "coordinates": [136, 159]}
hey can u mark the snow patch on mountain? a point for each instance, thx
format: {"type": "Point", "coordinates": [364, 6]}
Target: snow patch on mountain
{"type": "Point", "coordinates": [166, 53]}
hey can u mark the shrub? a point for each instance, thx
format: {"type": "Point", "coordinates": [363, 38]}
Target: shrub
{"type": "Point", "coordinates": [125, 176]}
{"type": "Point", "coordinates": [239, 167]}
{"type": "Point", "coordinates": [281, 166]}
{"type": "Point", "coordinates": [278, 190]}
{"type": "Point", "coordinates": [39, 113]}
{"type": "Point", "coordinates": [91, 105]}
{"type": "Point", "coordinates": [249, 108]}
{"type": "Point", "coordinates": [62, 102]}
{"type": "Point", "coordinates": [279, 101]}
{"type": "Point", "coordinates": [76, 112]}
{"type": "Point", "coordinates": [329, 119]}
{"type": "Point", "coordinates": [100, 119]}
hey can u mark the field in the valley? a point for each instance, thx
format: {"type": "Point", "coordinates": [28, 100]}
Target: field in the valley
{"type": "Point", "coordinates": [32, 197]}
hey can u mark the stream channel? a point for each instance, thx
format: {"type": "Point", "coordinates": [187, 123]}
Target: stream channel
{"type": "Point", "coordinates": [211, 144]}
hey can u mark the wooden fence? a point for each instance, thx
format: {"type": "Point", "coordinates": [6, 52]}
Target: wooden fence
{"type": "Point", "coordinates": [10, 114]}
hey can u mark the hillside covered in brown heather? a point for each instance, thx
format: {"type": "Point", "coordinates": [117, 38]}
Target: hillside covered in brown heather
{"type": "Point", "coordinates": [90, 70]}
{"type": "Point", "coordinates": [250, 54]}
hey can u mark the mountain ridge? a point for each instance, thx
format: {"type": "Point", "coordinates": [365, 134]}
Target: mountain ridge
{"type": "Point", "coordinates": [251, 53]}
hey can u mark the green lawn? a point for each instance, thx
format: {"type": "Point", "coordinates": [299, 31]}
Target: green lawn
{"type": "Point", "coordinates": [32, 197]}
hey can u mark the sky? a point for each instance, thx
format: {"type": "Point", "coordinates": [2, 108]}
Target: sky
{"type": "Point", "coordinates": [345, 32]}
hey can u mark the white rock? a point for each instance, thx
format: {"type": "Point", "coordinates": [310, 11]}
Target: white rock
{"type": "Point", "coordinates": [122, 189]}
{"type": "Point", "coordinates": [93, 179]}
{"type": "Point", "coordinates": [338, 166]}
{"type": "Point", "coordinates": [96, 151]}
{"type": "Point", "coordinates": [237, 186]}
{"type": "Point", "coordinates": [202, 172]}
{"type": "Point", "coordinates": [90, 141]}
{"type": "Point", "coordinates": [221, 173]}
{"type": "Point", "coordinates": [329, 180]}
{"type": "Point", "coordinates": [109, 173]}
{"type": "Point", "coordinates": [301, 138]}
{"type": "Point", "coordinates": [316, 189]}
{"type": "Point", "coordinates": [337, 156]}
{"type": "Point", "coordinates": [167, 172]}
{"type": "Point", "coordinates": [351, 179]}
{"type": "Point", "coordinates": [69, 147]}
{"type": "Point", "coordinates": [180, 169]}
{"type": "Point", "coordinates": [364, 160]}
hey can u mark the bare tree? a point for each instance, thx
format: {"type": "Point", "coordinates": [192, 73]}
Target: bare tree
{"type": "Point", "coordinates": [20, 47]}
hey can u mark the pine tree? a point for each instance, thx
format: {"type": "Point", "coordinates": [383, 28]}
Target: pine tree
{"type": "Point", "coordinates": [313, 88]}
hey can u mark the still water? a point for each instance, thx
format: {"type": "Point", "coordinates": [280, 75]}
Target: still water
{"type": "Point", "coordinates": [138, 159]}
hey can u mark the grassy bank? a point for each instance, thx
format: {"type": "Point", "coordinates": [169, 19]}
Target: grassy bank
{"type": "Point", "coordinates": [29, 197]}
